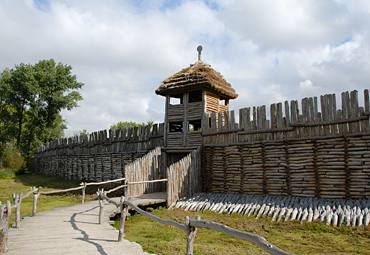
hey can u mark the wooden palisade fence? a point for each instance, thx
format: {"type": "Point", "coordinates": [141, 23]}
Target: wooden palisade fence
{"type": "Point", "coordinates": [100, 156]}
{"type": "Point", "coordinates": [298, 151]}
{"type": "Point", "coordinates": [184, 177]}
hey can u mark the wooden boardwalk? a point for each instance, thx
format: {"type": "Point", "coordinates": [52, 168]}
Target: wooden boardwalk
{"type": "Point", "coordinates": [70, 230]}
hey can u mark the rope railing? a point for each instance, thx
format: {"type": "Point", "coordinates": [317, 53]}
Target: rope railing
{"type": "Point", "coordinates": [6, 209]}
{"type": "Point", "coordinates": [189, 227]}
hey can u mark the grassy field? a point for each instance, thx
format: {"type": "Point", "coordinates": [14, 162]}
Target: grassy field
{"type": "Point", "coordinates": [10, 183]}
{"type": "Point", "coordinates": [309, 238]}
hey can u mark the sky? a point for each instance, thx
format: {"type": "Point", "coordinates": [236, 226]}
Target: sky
{"type": "Point", "coordinates": [269, 51]}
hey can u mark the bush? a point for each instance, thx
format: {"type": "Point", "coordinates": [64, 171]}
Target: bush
{"type": "Point", "coordinates": [12, 158]}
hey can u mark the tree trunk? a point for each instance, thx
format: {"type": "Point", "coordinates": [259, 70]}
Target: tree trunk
{"type": "Point", "coordinates": [20, 124]}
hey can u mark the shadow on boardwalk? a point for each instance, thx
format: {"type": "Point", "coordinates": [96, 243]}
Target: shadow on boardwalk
{"type": "Point", "coordinates": [85, 237]}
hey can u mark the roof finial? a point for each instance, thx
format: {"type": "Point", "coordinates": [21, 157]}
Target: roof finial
{"type": "Point", "coordinates": [199, 49]}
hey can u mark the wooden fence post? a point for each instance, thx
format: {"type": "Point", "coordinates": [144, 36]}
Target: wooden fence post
{"type": "Point", "coordinates": [83, 191]}
{"type": "Point", "coordinates": [9, 210]}
{"type": "Point", "coordinates": [191, 233]}
{"type": "Point", "coordinates": [35, 197]}
{"type": "Point", "coordinates": [4, 224]}
{"type": "Point", "coordinates": [101, 205]}
{"type": "Point", "coordinates": [124, 211]}
{"type": "Point", "coordinates": [17, 202]}
{"type": "Point", "coordinates": [5, 212]}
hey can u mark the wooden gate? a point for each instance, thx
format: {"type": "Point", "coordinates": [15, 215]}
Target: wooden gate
{"type": "Point", "coordinates": [184, 177]}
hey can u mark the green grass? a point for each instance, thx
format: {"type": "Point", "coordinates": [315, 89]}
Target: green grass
{"type": "Point", "coordinates": [309, 238]}
{"type": "Point", "coordinates": [6, 173]}
{"type": "Point", "coordinates": [22, 183]}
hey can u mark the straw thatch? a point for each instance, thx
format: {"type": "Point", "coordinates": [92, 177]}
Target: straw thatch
{"type": "Point", "coordinates": [198, 76]}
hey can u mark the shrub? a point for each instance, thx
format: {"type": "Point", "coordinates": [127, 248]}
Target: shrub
{"type": "Point", "coordinates": [12, 158]}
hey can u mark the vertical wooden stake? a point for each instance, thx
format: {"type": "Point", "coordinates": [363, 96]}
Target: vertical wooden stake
{"type": "Point", "coordinates": [9, 209]}
{"type": "Point", "coordinates": [101, 207]}
{"type": "Point", "coordinates": [35, 197]}
{"type": "Point", "coordinates": [191, 233]}
{"type": "Point", "coordinates": [4, 223]}
{"type": "Point", "coordinates": [83, 192]}
{"type": "Point", "coordinates": [18, 201]}
{"type": "Point", "coordinates": [124, 212]}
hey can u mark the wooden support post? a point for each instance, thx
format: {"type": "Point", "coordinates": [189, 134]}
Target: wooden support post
{"type": "Point", "coordinates": [83, 192]}
{"type": "Point", "coordinates": [35, 197]}
{"type": "Point", "coordinates": [191, 233]}
{"type": "Point", "coordinates": [101, 206]}
{"type": "Point", "coordinates": [9, 209]}
{"type": "Point", "coordinates": [4, 225]}
{"type": "Point", "coordinates": [5, 213]}
{"type": "Point", "coordinates": [17, 202]}
{"type": "Point", "coordinates": [124, 212]}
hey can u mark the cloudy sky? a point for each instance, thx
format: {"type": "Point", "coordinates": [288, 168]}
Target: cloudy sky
{"type": "Point", "coordinates": [121, 50]}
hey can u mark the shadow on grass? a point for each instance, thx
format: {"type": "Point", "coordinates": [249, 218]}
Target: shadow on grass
{"type": "Point", "coordinates": [52, 182]}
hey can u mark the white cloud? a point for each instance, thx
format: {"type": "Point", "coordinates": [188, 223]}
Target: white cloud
{"type": "Point", "coordinates": [269, 50]}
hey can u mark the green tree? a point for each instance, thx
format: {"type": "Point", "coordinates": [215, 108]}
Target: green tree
{"type": "Point", "coordinates": [127, 124]}
{"type": "Point", "coordinates": [31, 99]}
{"type": "Point", "coordinates": [18, 88]}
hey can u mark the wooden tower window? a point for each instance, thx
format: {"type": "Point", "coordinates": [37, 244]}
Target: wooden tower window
{"type": "Point", "coordinates": [175, 126]}
{"type": "Point", "coordinates": [176, 99]}
{"type": "Point", "coordinates": [195, 96]}
{"type": "Point", "coordinates": [195, 125]}
{"type": "Point", "coordinates": [224, 101]}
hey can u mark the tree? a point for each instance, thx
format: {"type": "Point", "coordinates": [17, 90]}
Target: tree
{"type": "Point", "coordinates": [58, 88]}
{"type": "Point", "coordinates": [127, 124]}
{"type": "Point", "coordinates": [18, 88]}
{"type": "Point", "coordinates": [31, 99]}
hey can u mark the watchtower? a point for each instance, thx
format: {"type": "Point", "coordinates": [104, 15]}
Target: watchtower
{"type": "Point", "coordinates": [190, 93]}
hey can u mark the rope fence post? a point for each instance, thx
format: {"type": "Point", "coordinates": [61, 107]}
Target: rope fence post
{"type": "Point", "coordinates": [124, 212]}
{"type": "Point", "coordinates": [101, 205]}
{"type": "Point", "coordinates": [35, 198]}
{"type": "Point", "coordinates": [83, 191]}
{"type": "Point", "coordinates": [4, 223]}
{"type": "Point", "coordinates": [17, 202]}
{"type": "Point", "coordinates": [9, 210]}
{"type": "Point", "coordinates": [191, 233]}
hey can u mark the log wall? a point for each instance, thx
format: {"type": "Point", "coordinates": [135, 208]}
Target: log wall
{"type": "Point", "coordinates": [184, 177]}
{"type": "Point", "coordinates": [148, 167]}
{"type": "Point", "coordinates": [100, 156]}
{"type": "Point", "coordinates": [298, 151]}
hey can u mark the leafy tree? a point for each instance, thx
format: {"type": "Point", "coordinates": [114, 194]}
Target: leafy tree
{"type": "Point", "coordinates": [31, 99]}
{"type": "Point", "coordinates": [18, 88]}
{"type": "Point", "coordinates": [127, 124]}
{"type": "Point", "coordinates": [58, 88]}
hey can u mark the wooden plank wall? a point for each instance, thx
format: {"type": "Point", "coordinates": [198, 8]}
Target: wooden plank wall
{"type": "Point", "coordinates": [148, 167]}
{"type": "Point", "coordinates": [184, 178]}
{"type": "Point", "coordinates": [298, 151]}
{"type": "Point", "coordinates": [100, 156]}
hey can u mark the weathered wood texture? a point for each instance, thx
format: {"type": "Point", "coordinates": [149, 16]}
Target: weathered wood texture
{"type": "Point", "coordinates": [98, 156]}
{"type": "Point", "coordinates": [288, 120]}
{"type": "Point", "coordinates": [323, 154]}
{"type": "Point", "coordinates": [148, 167]}
{"type": "Point", "coordinates": [328, 167]}
{"type": "Point", "coordinates": [184, 177]}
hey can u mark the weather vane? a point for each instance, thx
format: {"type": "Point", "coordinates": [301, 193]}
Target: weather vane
{"type": "Point", "coordinates": [199, 49]}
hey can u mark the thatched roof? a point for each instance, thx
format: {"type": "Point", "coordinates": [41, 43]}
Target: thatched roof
{"type": "Point", "coordinates": [197, 76]}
